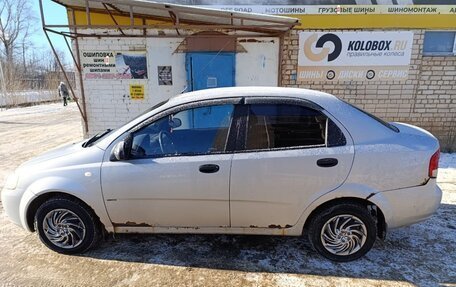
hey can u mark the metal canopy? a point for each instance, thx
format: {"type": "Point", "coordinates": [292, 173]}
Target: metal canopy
{"type": "Point", "coordinates": [127, 16]}
{"type": "Point", "coordinates": [174, 16]}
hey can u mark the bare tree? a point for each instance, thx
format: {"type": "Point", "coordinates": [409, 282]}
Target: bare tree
{"type": "Point", "coordinates": [28, 69]}
{"type": "Point", "coordinates": [15, 26]}
{"type": "Point", "coordinates": [49, 61]}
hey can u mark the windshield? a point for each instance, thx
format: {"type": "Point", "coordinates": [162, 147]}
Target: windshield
{"type": "Point", "coordinates": [146, 111]}
{"type": "Point", "coordinates": [379, 120]}
{"type": "Point", "coordinates": [96, 138]}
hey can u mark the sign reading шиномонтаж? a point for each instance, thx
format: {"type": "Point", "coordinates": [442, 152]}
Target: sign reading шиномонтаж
{"type": "Point", "coordinates": [337, 9]}
{"type": "Point", "coordinates": [354, 56]}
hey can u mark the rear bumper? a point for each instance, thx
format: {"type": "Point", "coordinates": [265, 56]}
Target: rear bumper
{"type": "Point", "coordinates": [411, 205]}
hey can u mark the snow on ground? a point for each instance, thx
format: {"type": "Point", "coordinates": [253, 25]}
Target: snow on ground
{"type": "Point", "coordinates": [28, 97]}
{"type": "Point", "coordinates": [447, 167]}
{"type": "Point", "coordinates": [447, 161]}
{"type": "Point", "coordinates": [447, 178]}
{"type": "Point", "coordinates": [419, 255]}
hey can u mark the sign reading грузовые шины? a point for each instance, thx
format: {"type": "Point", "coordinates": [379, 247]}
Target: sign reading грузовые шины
{"type": "Point", "coordinates": [354, 56]}
{"type": "Point", "coordinates": [296, 9]}
{"type": "Point", "coordinates": [102, 64]}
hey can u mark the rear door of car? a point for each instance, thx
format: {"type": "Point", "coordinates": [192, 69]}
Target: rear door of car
{"type": "Point", "coordinates": [288, 153]}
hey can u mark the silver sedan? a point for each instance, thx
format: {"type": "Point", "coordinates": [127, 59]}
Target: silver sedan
{"type": "Point", "coordinates": [274, 161]}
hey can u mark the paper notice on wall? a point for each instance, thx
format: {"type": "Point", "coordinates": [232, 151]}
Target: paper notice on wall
{"type": "Point", "coordinates": [354, 56]}
{"type": "Point", "coordinates": [114, 65]}
{"type": "Point", "coordinates": [137, 92]}
{"type": "Point", "coordinates": [165, 76]}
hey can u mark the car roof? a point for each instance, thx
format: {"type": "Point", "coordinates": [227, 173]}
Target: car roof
{"type": "Point", "coordinates": [319, 98]}
{"type": "Point", "coordinates": [361, 127]}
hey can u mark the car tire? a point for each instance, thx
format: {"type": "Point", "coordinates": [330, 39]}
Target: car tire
{"type": "Point", "coordinates": [343, 232]}
{"type": "Point", "coordinates": [67, 226]}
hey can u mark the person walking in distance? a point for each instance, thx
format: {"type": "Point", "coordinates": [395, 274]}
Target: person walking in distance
{"type": "Point", "coordinates": [63, 92]}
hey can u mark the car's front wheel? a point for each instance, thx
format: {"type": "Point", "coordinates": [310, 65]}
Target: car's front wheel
{"type": "Point", "coordinates": [66, 225]}
{"type": "Point", "coordinates": [343, 232]}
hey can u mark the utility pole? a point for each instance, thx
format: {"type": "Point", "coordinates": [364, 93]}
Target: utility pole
{"type": "Point", "coordinates": [3, 92]}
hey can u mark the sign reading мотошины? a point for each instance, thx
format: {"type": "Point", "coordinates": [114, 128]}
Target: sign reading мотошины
{"type": "Point", "coordinates": [338, 9]}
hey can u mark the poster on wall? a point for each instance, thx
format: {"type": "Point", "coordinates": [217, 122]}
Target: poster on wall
{"type": "Point", "coordinates": [354, 56]}
{"type": "Point", "coordinates": [165, 76]}
{"type": "Point", "coordinates": [114, 65]}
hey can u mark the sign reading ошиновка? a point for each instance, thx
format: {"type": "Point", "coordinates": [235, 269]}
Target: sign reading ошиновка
{"type": "Point", "coordinates": [354, 56]}
{"type": "Point", "coordinates": [106, 65]}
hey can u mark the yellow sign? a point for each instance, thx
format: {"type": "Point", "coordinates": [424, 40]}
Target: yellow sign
{"type": "Point", "coordinates": [337, 9]}
{"type": "Point", "coordinates": [137, 92]}
{"type": "Point", "coordinates": [324, 16]}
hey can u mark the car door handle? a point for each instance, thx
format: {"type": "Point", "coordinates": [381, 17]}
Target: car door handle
{"type": "Point", "coordinates": [327, 162]}
{"type": "Point", "coordinates": [209, 168]}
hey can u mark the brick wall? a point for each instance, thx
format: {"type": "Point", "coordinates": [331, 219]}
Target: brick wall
{"type": "Point", "coordinates": [427, 98]}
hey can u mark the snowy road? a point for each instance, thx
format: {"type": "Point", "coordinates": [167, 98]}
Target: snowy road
{"type": "Point", "coordinates": [419, 255]}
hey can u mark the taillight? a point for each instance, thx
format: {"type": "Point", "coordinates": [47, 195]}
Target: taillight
{"type": "Point", "coordinates": [434, 164]}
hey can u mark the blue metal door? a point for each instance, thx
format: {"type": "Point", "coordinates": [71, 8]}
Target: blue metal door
{"type": "Point", "coordinates": [210, 70]}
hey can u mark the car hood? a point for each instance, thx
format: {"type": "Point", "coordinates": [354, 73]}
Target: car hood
{"type": "Point", "coordinates": [61, 151]}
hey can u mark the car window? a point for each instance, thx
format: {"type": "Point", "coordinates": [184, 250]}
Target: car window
{"type": "Point", "coordinates": [202, 130]}
{"type": "Point", "coordinates": [211, 117]}
{"type": "Point", "coordinates": [379, 120]}
{"type": "Point", "coordinates": [272, 126]}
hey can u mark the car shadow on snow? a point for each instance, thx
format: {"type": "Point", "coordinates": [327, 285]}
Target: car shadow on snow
{"type": "Point", "coordinates": [418, 254]}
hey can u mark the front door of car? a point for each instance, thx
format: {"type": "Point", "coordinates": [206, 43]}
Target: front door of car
{"type": "Point", "coordinates": [177, 174]}
{"type": "Point", "coordinates": [291, 155]}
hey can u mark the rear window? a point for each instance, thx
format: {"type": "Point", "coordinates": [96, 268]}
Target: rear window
{"type": "Point", "coordinates": [379, 120]}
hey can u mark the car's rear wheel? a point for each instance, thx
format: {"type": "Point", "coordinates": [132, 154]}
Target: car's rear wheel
{"type": "Point", "coordinates": [343, 232]}
{"type": "Point", "coordinates": [66, 226]}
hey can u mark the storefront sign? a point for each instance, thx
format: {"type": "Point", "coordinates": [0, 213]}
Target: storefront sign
{"type": "Point", "coordinates": [137, 92]}
{"type": "Point", "coordinates": [165, 76]}
{"type": "Point", "coordinates": [338, 9]}
{"type": "Point", "coordinates": [114, 65]}
{"type": "Point", "coordinates": [354, 56]}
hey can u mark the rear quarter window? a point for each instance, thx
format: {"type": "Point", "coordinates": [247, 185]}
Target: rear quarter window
{"type": "Point", "coordinates": [377, 119]}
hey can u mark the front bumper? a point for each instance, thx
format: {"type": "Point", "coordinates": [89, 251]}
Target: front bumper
{"type": "Point", "coordinates": [11, 201]}
{"type": "Point", "coordinates": [411, 205]}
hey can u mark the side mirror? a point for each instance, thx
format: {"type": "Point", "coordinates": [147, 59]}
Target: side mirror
{"type": "Point", "coordinates": [122, 149]}
{"type": "Point", "coordinates": [175, 123]}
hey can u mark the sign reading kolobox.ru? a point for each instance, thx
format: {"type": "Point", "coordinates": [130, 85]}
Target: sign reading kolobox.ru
{"type": "Point", "coordinates": [354, 56]}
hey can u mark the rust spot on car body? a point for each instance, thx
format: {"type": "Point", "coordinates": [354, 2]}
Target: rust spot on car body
{"type": "Point", "coordinates": [129, 223]}
{"type": "Point", "coordinates": [279, 226]}
{"type": "Point", "coordinates": [274, 226]}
